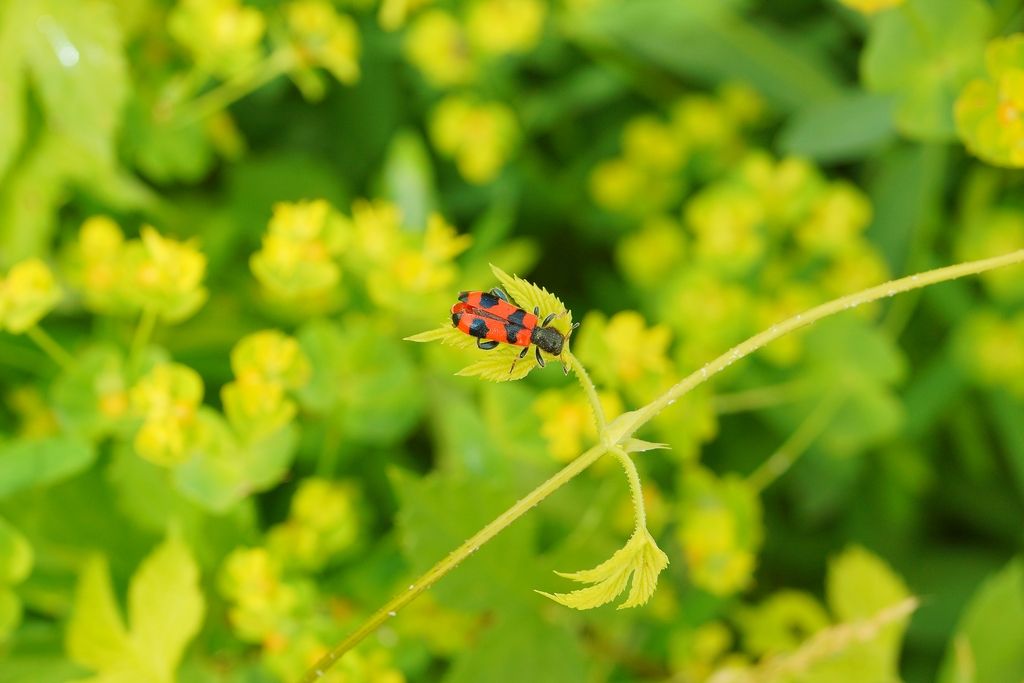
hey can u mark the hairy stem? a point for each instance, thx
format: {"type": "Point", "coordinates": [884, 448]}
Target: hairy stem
{"type": "Point", "coordinates": [522, 506]}
{"type": "Point", "coordinates": [591, 391]}
{"type": "Point", "coordinates": [635, 489]}
{"type": "Point", "coordinates": [636, 420]}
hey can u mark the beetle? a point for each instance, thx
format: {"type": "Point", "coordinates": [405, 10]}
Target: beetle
{"type": "Point", "coordinates": [494, 319]}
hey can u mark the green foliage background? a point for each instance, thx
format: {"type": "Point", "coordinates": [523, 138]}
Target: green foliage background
{"type": "Point", "coordinates": [184, 498]}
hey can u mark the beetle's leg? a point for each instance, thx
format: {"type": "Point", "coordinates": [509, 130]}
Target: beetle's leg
{"type": "Point", "coordinates": [547, 320]}
{"type": "Point", "coordinates": [500, 293]}
{"type": "Point", "coordinates": [486, 344]}
{"type": "Point", "coordinates": [523, 353]}
{"type": "Point", "coordinates": [565, 368]}
{"type": "Point", "coordinates": [540, 359]}
{"type": "Point", "coordinates": [536, 311]}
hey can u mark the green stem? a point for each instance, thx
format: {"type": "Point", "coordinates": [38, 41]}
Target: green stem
{"type": "Point", "coordinates": [633, 421]}
{"type": "Point", "coordinates": [635, 489]}
{"type": "Point", "coordinates": [761, 397]}
{"type": "Point", "coordinates": [797, 444]}
{"type": "Point", "coordinates": [591, 391]}
{"type": "Point", "coordinates": [642, 416]}
{"type": "Point", "coordinates": [143, 333]}
{"type": "Point", "coordinates": [50, 346]}
{"type": "Point", "coordinates": [456, 557]}
{"type": "Point", "coordinates": [276, 64]}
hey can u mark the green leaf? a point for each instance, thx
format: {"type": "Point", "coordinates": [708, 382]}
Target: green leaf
{"type": "Point", "coordinates": [708, 39]}
{"type": "Point", "coordinates": [362, 378]}
{"type": "Point", "coordinates": [535, 649]}
{"type": "Point", "coordinates": [166, 606]}
{"type": "Point", "coordinates": [859, 585]}
{"type": "Point", "coordinates": [407, 179]}
{"type": "Point", "coordinates": [15, 555]}
{"type": "Point", "coordinates": [224, 469]}
{"type": "Point", "coordinates": [10, 613]}
{"type": "Point", "coordinates": [844, 129]}
{"type": "Point", "coordinates": [42, 460]}
{"type": "Point", "coordinates": [640, 562]}
{"type": "Point", "coordinates": [989, 640]}
{"type": "Point", "coordinates": [439, 512]}
{"type": "Point", "coordinates": [74, 53]}
{"type": "Point", "coordinates": [96, 635]}
{"type": "Point", "coordinates": [923, 53]}
{"type": "Point", "coordinates": [12, 84]}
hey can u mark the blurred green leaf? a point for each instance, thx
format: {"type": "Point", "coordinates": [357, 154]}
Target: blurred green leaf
{"type": "Point", "coordinates": [440, 511]}
{"type": "Point", "coordinates": [165, 606]}
{"type": "Point", "coordinates": [15, 554]}
{"type": "Point", "coordinates": [923, 52]}
{"type": "Point", "coordinates": [407, 179]}
{"type": "Point", "coordinates": [362, 378]}
{"type": "Point", "coordinates": [989, 641]}
{"type": "Point", "coordinates": [522, 642]}
{"type": "Point", "coordinates": [709, 40]}
{"type": "Point", "coordinates": [73, 49]}
{"type": "Point", "coordinates": [224, 469]}
{"type": "Point", "coordinates": [844, 129]}
{"type": "Point", "coordinates": [12, 84]}
{"type": "Point", "coordinates": [42, 460]}
{"type": "Point", "coordinates": [97, 637]}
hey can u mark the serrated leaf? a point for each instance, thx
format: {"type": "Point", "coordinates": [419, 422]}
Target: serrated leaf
{"type": "Point", "coordinates": [528, 295]}
{"type": "Point", "coordinates": [165, 606]}
{"type": "Point", "coordinates": [498, 365]}
{"type": "Point", "coordinates": [640, 559]}
{"type": "Point", "coordinates": [96, 636]}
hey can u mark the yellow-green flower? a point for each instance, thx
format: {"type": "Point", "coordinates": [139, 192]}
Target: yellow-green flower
{"type": "Point", "coordinates": [29, 292]}
{"type": "Point", "coordinates": [256, 406]}
{"type": "Point", "coordinates": [222, 35]}
{"type": "Point", "coordinates": [996, 232]}
{"type": "Point", "coordinates": [992, 348]}
{"type": "Point", "coordinates": [271, 355]}
{"type": "Point", "coordinates": [871, 6]}
{"type": "Point", "coordinates": [726, 222]}
{"type": "Point", "coordinates": [167, 399]}
{"type": "Point", "coordinates": [393, 13]}
{"type": "Point", "coordinates": [505, 26]}
{"type": "Point", "coordinates": [479, 136]}
{"type": "Point", "coordinates": [101, 270]}
{"type": "Point", "coordinates": [838, 217]}
{"type": "Point", "coordinates": [298, 258]}
{"type": "Point", "coordinates": [567, 422]}
{"type": "Point", "coordinates": [653, 144]}
{"type": "Point", "coordinates": [648, 255]}
{"type": "Point", "coordinates": [167, 275]}
{"type": "Point", "coordinates": [623, 352]}
{"type": "Point", "coordinates": [261, 602]}
{"type": "Point", "coordinates": [322, 37]}
{"type": "Point", "coordinates": [437, 45]}
{"type": "Point", "coordinates": [990, 110]}
{"type": "Point", "coordinates": [324, 521]}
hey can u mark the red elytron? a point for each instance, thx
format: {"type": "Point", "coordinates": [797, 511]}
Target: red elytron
{"type": "Point", "coordinates": [493, 320]}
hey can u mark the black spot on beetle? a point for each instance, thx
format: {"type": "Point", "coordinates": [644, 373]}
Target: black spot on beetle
{"type": "Point", "coordinates": [456, 317]}
{"type": "Point", "coordinates": [517, 317]}
{"type": "Point", "coordinates": [511, 332]}
{"type": "Point", "coordinates": [463, 296]}
{"type": "Point", "coordinates": [478, 328]}
{"type": "Point", "coordinates": [488, 300]}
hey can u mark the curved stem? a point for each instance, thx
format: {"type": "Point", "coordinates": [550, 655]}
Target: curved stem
{"type": "Point", "coordinates": [449, 563]}
{"type": "Point", "coordinates": [591, 391]}
{"type": "Point", "coordinates": [633, 421]}
{"type": "Point", "coordinates": [635, 489]}
{"type": "Point", "coordinates": [640, 417]}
